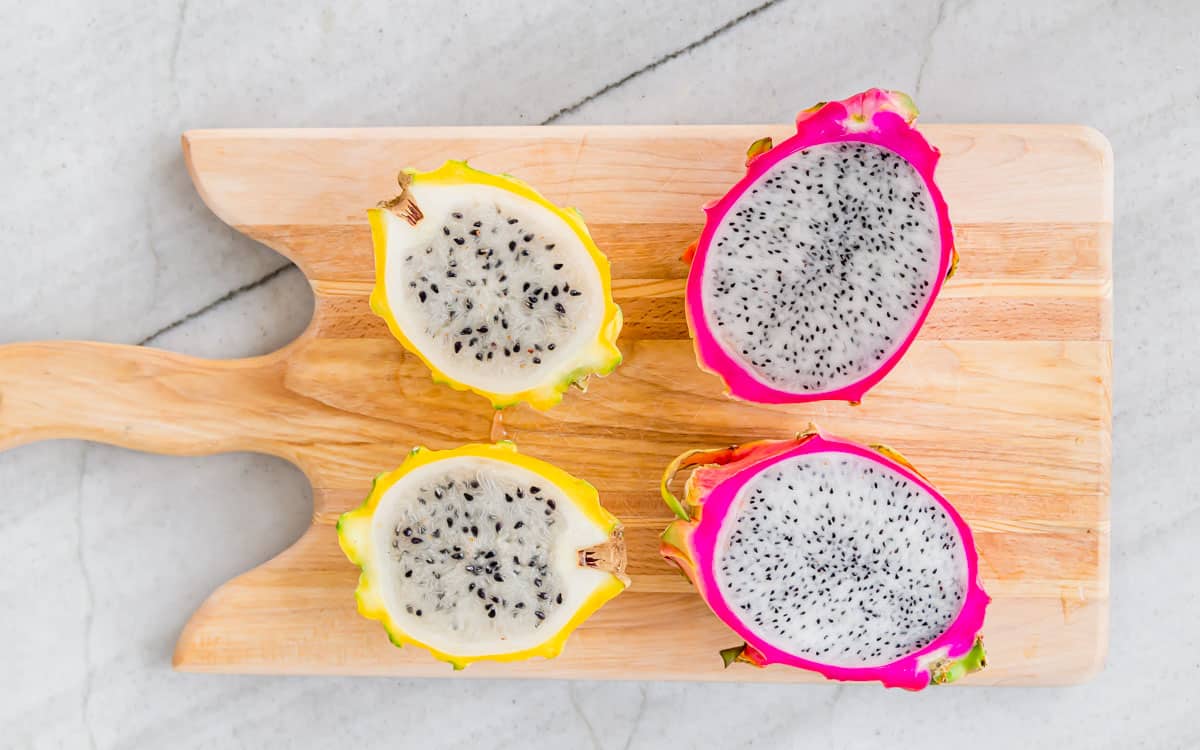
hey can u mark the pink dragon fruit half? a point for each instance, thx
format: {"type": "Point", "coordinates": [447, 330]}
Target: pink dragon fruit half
{"type": "Point", "coordinates": [832, 557]}
{"type": "Point", "coordinates": [814, 273]}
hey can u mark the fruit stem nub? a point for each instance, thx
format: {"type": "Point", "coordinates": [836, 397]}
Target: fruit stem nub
{"type": "Point", "coordinates": [403, 205]}
{"type": "Point", "coordinates": [498, 431]}
{"type": "Point", "coordinates": [608, 555]}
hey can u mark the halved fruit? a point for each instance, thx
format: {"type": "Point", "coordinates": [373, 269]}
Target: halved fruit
{"type": "Point", "coordinates": [830, 556]}
{"type": "Point", "coordinates": [494, 288]}
{"type": "Point", "coordinates": [482, 553]}
{"type": "Point", "coordinates": [815, 272]}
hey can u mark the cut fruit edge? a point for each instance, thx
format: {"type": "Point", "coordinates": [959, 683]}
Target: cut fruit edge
{"type": "Point", "coordinates": [877, 117]}
{"type": "Point", "coordinates": [689, 543]}
{"type": "Point", "coordinates": [600, 357]}
{"type": "Point", "coordinates": [354, 537]}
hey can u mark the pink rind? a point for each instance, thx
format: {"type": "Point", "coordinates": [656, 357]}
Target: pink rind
{"type": "Point", "coordinates": [908, 672]}
{"type": "Point", "coordinates": [825, 124]}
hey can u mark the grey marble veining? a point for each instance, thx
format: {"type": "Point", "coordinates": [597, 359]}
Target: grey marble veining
{"type": "Point", "coordinates": [104, 553]}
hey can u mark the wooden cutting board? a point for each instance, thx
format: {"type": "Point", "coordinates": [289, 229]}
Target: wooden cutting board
{"type": "Point", "coordinates": [1004, 400]}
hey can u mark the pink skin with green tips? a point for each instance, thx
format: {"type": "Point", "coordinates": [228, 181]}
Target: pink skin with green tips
{"type": "Point", "coordinates": [877, 117]}
{"type": "Point", "coordinates": [693, 542]}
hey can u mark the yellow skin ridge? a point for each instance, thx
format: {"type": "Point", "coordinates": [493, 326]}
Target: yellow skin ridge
{"type": "Point", "coordinates": [354, 537]}
{"type": "Point", "coordinates": [599, 359]}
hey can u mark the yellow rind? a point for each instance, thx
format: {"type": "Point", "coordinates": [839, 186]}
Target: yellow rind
{"type": "Point", "coordinates": [601, 358]}
{"type": "Point", "coordinates": [354, 537]}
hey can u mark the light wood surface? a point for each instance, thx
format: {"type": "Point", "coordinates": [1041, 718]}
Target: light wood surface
{"type": "Point", "coordinates": [1004, 400]}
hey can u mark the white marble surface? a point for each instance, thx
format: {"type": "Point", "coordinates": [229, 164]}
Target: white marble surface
{"type": "Point", "coordinates": [104, 552]}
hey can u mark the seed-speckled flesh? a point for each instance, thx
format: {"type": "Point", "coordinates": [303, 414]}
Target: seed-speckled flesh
{"type": "Point", "coordinates": [479, 556]}
{"type": "Point", "coordinates": [495, 290]}
{"type": "Point", "coordinates": [820, 270]}
{"type": "Point", "coordinates": [841, 560]}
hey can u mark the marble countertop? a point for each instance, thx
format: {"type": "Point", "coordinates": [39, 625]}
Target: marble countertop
{"type": "Point", "coordinates": [104, 553]}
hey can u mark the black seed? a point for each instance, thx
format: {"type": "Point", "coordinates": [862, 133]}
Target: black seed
{"type": "Point", "coordinates": [459, 240]}
{"type": "Point", "coordinates": [492, 613]}
{"type": "Point", "coordinates": [457, 347]}
{"type": "Point", "coordinates": [557, 266]}
{"type": "Point", "coordinates": [416, 540]}
{"type": "Point", "coordinates": [422, 296]}
{"type": "Point", "coordinates": [540, 614]}
{"type": "Point", "coordinates": [408, 574]}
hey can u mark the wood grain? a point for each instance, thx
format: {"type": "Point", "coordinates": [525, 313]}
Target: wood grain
{"type": "Point", "coordinates": [1004, 400]}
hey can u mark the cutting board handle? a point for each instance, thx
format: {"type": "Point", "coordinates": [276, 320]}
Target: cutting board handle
{"type": "Point", "coordinates": [139, 398]}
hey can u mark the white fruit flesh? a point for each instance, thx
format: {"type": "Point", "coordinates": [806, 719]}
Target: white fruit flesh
{"type": "Point", "coordinates": [505, 305]}
{"type": "Point", "coordinates": [447, 531]}
{"type": "Point", "coordinates": [841, 560]}
{"type": "Point", "coordinates": [819, 271]}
